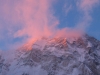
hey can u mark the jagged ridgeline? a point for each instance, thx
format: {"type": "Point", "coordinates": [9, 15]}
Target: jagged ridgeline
{"type": "Point", "coordinates": [56, 56]}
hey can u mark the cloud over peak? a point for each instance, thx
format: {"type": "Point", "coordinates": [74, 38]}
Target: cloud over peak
{"type": "Point", "coordinates": [30, 19]}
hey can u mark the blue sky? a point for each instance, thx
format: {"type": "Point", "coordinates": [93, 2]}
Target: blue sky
{"type": "Point", "coordinates": [69, 13]}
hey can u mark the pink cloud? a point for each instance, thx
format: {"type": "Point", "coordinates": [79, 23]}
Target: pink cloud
{"type": "Point", "coordinates": [35, 17]}
{"type": "Point", "coordinates": [68, 33]}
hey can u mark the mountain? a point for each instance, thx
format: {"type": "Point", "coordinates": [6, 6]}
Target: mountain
{"type": "Point", "coordinates": [55, 56]}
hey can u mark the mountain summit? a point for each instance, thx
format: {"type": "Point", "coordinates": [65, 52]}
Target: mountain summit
{"type": "Point", "coordinates": [56, 56]}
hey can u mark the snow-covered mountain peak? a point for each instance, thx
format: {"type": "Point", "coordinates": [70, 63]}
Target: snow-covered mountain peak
{"type": "Point", "coordinates": [55, 56]}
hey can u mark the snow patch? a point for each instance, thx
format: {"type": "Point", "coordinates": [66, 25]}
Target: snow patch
{"type": "Point", "coordinates": [89, 44]}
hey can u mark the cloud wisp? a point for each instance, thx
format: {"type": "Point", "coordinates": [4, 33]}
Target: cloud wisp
{"type": "Point", "coordinates": [86, 7]}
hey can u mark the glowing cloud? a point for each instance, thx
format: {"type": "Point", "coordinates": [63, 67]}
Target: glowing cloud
{"type": "Point", "coordinates": [31, 19]}
{"type": "Point", "coordinates": [35, 17]}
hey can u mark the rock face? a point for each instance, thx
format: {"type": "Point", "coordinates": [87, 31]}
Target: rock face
{"type": "Point", "coordinates": [57, 56]}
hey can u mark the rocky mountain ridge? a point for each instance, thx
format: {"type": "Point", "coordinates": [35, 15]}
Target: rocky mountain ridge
{"type": "Point", "coordinates": [57, 56]}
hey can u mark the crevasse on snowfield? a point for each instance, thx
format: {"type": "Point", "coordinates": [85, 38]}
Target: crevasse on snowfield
{"type": "Point", "coordinates": [56, 56]}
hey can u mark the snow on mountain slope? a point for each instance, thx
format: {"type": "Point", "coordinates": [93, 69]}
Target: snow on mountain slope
{"type": "Point", "coordinates": [56, 56]}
